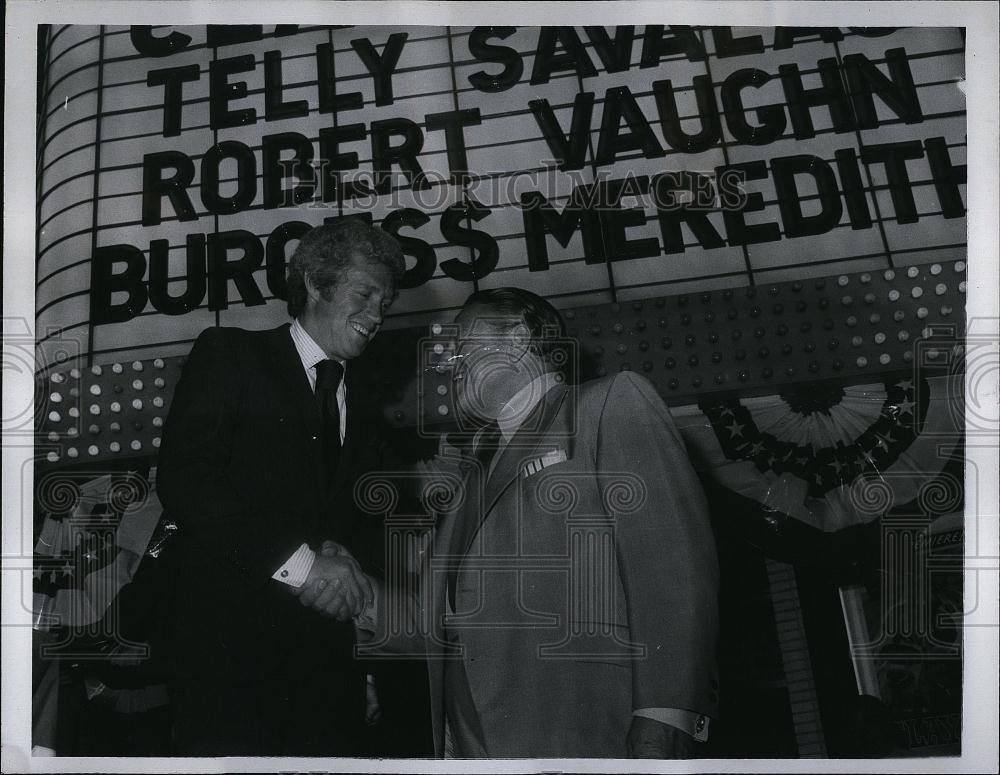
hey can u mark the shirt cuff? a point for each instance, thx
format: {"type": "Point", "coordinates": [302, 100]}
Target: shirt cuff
{"type": "Point", "coordinates": [695, 724]}
{"type": "Point", "coordinates": [296, 570]}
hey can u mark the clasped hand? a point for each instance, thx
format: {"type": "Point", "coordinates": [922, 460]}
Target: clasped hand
{"type": "Point", "coordinates": [336, 586]}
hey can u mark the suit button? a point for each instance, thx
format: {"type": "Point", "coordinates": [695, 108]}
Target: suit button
{"type": "Point", "coordinates": [715, 684]}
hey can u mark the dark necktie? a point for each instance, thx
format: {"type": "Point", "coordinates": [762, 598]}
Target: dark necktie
{"type": "Point", "coordinates": [328, 376]}
{"type": "Point", "coordinates": [487, 446]}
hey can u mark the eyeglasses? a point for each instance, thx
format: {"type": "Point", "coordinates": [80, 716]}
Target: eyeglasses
{"type": "Point", "coordinates": [454, 361]}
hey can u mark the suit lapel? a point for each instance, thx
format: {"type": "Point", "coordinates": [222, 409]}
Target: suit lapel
{"type": "Point", "coordinates": [469, 517]}
{"type": "Point", "coordinates": [506, 468]}
{"type": "Point", "coordinates": [296, 393]}
{"type": "Point", "coordinates": [522, 445]}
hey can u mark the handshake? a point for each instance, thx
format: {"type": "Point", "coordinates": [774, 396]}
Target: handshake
{"type": "Point", "coordinates": [336, 586]}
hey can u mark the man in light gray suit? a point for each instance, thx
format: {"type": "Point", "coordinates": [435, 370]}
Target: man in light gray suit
{"type": "Point", "coordinates": [569, 605]}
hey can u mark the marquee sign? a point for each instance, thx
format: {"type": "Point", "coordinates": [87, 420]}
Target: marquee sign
{"type": "Point", "coordinates": [179, 165]}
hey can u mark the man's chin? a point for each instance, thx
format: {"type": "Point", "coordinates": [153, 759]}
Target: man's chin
{"type": "Point", "coordinates": [359, 343]}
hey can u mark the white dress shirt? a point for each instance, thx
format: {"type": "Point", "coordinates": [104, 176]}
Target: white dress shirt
{"type": "Point", "coordinates": [296, 569]}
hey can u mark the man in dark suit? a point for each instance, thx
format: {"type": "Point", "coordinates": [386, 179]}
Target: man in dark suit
{"type": "Point", "coordinates": [570, 602]}
{"type": "Point", "coordinates": [265, 437]}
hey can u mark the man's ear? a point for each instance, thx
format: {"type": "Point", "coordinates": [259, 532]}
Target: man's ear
{"type": "Point", "coordinates": [311, 288]}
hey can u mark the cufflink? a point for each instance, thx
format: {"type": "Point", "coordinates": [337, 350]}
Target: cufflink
{"type": "Point", "coordinates": [700, 724]}
{"type": "Point", "coordinates": [284, 574]}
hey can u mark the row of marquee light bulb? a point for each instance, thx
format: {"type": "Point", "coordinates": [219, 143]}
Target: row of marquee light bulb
{"type": "Point", "coordinates": [847, 301]}
{"type": "Point", "coordinates": [61, 381]}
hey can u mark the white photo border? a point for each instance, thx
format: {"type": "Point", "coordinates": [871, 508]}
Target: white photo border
{"type": "Point", "coordinates": [980, 702]}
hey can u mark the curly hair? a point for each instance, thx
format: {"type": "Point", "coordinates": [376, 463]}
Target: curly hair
{"type": "Point", "coordinates": [325, 251]}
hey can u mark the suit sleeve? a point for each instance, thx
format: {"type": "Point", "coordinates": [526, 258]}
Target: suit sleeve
{"type": "Point", "coordinates": [665, 550]}
{"type": "Point", "coordinates": [193, 476]}
{"type": "Point", "coordinates": [364, 533]}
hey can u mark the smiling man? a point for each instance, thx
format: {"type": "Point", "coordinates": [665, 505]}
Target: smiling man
{"type": "Point", "coordinates": [265, 438]}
